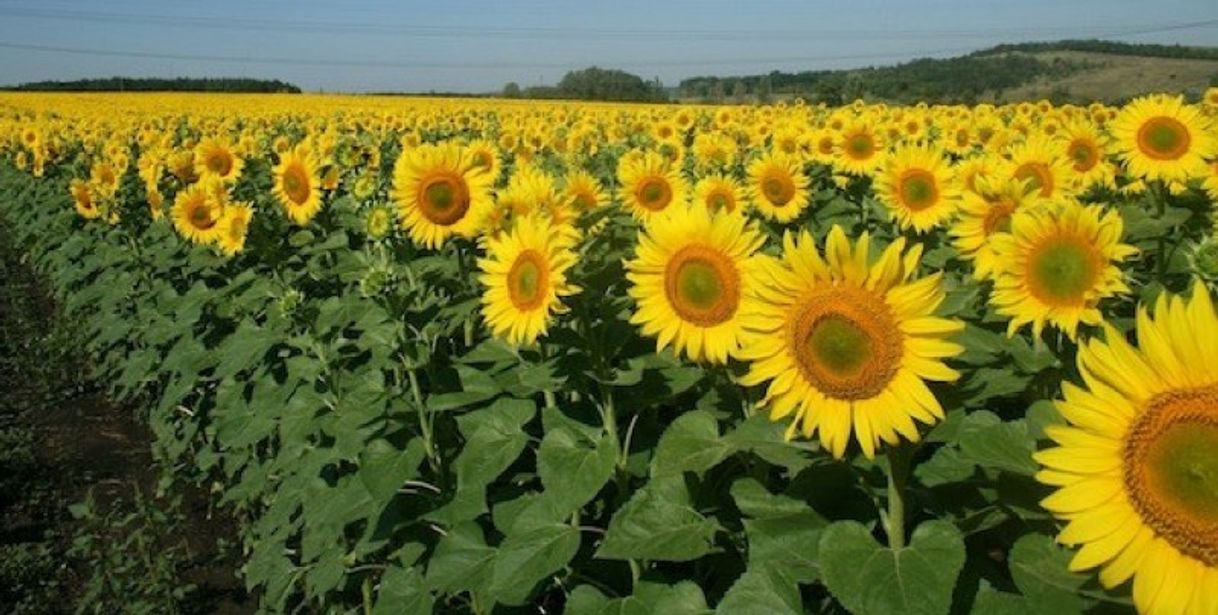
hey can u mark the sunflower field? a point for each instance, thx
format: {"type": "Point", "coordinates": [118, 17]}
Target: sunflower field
{"type": "Point", "coordinates": [482, 356]}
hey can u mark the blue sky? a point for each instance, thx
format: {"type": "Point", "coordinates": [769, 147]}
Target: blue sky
{"type": "Point", "coordinates": [477, 46]}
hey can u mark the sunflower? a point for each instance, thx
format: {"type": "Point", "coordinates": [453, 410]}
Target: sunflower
{"type": "Point", "coordinates": [484, 155]}
{"type": "Point", "coordinates": [693, 278]}
{"type": "Point", "coordinates": [1087, 150]}
{"type": "Point", "coordinates": [1135, 469]}
{"type": "Point", "coordinates": [1162, 138]}
{"type": "Point", "coordinates": [583, 191]}
{"type": "Point", "coordinates": [985, 212]}
{"type": "Point", "coordinates": [216, 159]}
{"type": "Point", "coordinates": [719, 192]}
{"type": "Point", "coordinates": [650, 184]}
{"type": "Point", "coordinates": [196, 212]}
{"type": "Point", "coordinates": [82, 199]}
{"type": "Point", "coordinates": [440, 193]}
{"type": "Point", "coordinates": [847, 345]}
{"type": "Point", "coordinates": [1057, 263]}
{"type": "Point", "coordinates": [777, 186]}
{"type": "Point", "coordinates": [297, 185]}
{"type": "Point", "coordinates": [525, 277]}
{"type": "Point", "coordinates": [860, 149]}
{"type": "Point", "coordinates": [919, 187]}
{"type": "Point", "coordinates": [233, 226]}
{"type": "Point", "coordinates": [1043, 164]}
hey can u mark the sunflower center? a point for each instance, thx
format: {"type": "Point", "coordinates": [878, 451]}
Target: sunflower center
{"type": "Point", "coordinates": [1084, 155]}
{"type": "Point", "coordinates": [220, 163]}
{"type": "Point", "coordinates": [654, 193]}
{"type": "Point", "coordinates": [1037, 176]}
{"type": "Point", "coordinates": [702, 285]}
{"type": "Point", "coordinates": [860, 147]}
{"type": "Point", "coordinates": [236, 229]}
{"type": "Point", "coordinates": [1171, 471]}
{"type": "Point", "coordinates": [1164, 138]}
{"type": "Point", "coordinates": [527, 280]}
{"type": "Point", "coordinates": [825, 145]}
{"type": "Point", "coordinates": [846, 343]}
{"type": "Point", "coordinates": [720, 201]}
{"type": "Point", "coordinates": [296, 185]}
{"type": "Point", "coordinates": [443, 199]}
{"type": "Point", "coordinates": [998, 217]}
{"type": "Point", "coordinates": [918, 189]}
{"type": "Point", "coordinates": [778, 189]}
{"type": "Point", "coordinates": [1062, 271]}
{"type": "Point", "coordinates": [200, 216]}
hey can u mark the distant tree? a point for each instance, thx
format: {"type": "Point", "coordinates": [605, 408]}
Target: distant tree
{"type": "Point", "coordinates": [511, 90]}
{"type": "Point", "coordinates": [154, 84]}
{"type": "Point", "coordinates": [608, 84]}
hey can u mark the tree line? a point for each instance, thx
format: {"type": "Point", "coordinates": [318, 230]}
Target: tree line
{"type": "Point", "coordinates": [155, 84]}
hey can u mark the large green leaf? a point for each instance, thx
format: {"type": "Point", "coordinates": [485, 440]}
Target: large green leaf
{"type": "Point", "coordinates": [403, 591]}
{"type": "Point", "coordinates": [781, 530]}
{"type": "Point", "coordinates": [762, 590]}
{"type": "Point", "coordinates": [869, 578]}
{"type": "Point", "coordinates": [1040, 569]}
{"type": "Point", "coordinates": [462, 561]}
{"type": "Point", "coordinates": [494, 438]}
{"type": "Point", "coordinates": [659, 523]}
{"type": "Point", "coordinates": [525, 558]}
{"type": "Point", "coordinates": [384, 467]}
{"type": "Point", "coordinates": [690, 444]}
{"type": "Point", "coordinates": [991, 443]}
{"type": "Point", "coordinates": [573, 468]}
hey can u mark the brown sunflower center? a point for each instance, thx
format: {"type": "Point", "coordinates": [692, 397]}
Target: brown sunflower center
{"type": "Point", "coordinates": [528, 280]}
{"type": "Point", "coordinates": [200, 216]}
{"type": "Point", "coordinates": [1171, 471]}
{"type": "Point", "coordinates": [1164, 138]}
{"type": "Point", "coordinates": [220, 163]}
{"type": "Point", "coordinates": [702, 285]}
{"type": "Point", "coordinates": [443, 198]}
{"type": "Point", "coordinates": [1037, 176]}
{"type": "Point", "coordinates": [654, 193]}
{"type": "Point", "coordinates": [1084, 154]}
{"type": "Point", "coordinates": [296, 184]}
{"type": "Point", "coordinates": [860, 147]}
{"type": "Point", "coordinates": [846, 343]}
{"type": "Point", "coordinates": [1062, 270]}
{"type": "Point", "coordinates": [721, 200]}
{"type": "Point", "coordinates": [778, 188]}
{"type": "Point", "coordinates": [918, 189]}
{"type": "Point", "coordinates": [236, 229]}
{"type": "Point", "coordinates": [998, 216]}
{"type": "Point", "coordinates": [825, 145]}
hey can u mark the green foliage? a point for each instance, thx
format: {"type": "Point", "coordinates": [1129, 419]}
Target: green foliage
{"type": "Point", "coordinates": [152, 84]}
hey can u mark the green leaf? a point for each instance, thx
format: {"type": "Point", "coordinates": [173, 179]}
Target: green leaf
{"type": "Point", "coordinates": [763, 590]}
{"type": "Point", "coordinates": [868, 578]}
{"type": "Point", "coordinates": [384, 467]}
{"type": "Point", "coordinates": [990, 601]}
{"type": "Point", "coordinates": [684, 598]}
{"type": "Point", "coordinates": [690, 444]}
{"type": "Point", "coordinates": [494, 438]}
{"type": "Point", "coordinates": [764, 438]}
{"type": "Point", "coordinates": [403, 591]}
{"type": "Point", "coordinates": [524, 559]}
{"type": "Point", "coordinates": [781, 530]}
{"type": "Point", "coordinates": [991, 443]}
{"type": "Point", "coordinates": [659, 523]}
{"type": "Point", "coordinates": [1040, 569]}
{"type": "Point", "coordinates": [462, 561]}
{"type": "Point", "coordinates": [573, 468]}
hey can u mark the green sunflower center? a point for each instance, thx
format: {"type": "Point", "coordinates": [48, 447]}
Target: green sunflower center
{"type": "Point", "coordinates": [654, 193]}
{"type": "Point", "coordinates": [702, 285]}
{"type": "Point", "coordinates": [1037, 176]}
{"type": "Point", "coordinates": [440, 196]}
{"type": "Point", "coordinates": [840, 345]}
{"type": "Point", "coordinates": [1183, 464]}
{"type": "Point", "coordinates": [444, 199]}
{"type": "Point", "coordinates": [296, 185]}
{"type": "Point", "coordinates": [1062, 272]}
{"type": "Point", "coordinates": [860, 147]}
{"type": "Point", "coordinates": [1083, 154]}
{"type": "Point", "coordinates": [719, 201]}
{"type": "Point", "coordinates": [778, 190]}
{"type": "Point", "coordinates": [1164, 138]}
{"type": "Point", "coordinates": [220, 163]}
{"type": "Point", "coordinates": [527, 280]}
{"type": "Point", "coordinates": [1171, 471]}
{"type": "Point", "coordinates": [918, 189]}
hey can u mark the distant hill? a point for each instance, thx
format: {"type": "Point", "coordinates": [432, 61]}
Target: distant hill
{"type": "Point", "coordinates": [152, 84]}
{"type": "Point", "coordinates": [1063, 71]}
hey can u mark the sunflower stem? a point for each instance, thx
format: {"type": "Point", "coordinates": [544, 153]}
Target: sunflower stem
{"type": "Point", "coordinates": [424, 420]}
{"type": "Point", "coordinates": [1160, 193]}
{"type": "Point", "coordinates": [899, 459]}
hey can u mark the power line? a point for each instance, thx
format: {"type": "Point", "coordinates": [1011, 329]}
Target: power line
{"type": "Point", "coordinates": [332, 27]}
{"type": "Point", "coordinates": [468, 65]}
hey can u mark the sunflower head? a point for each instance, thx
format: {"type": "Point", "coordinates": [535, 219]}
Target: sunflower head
{"type": "Point", "coordinates": [692, 278]}
{"type": "Point", "coordinates": [1162, 138]}
{"type": "Point", "coordinates": [1057, 263]}
{"type": "Point", "coordinates": [297, 185]}
{"type": "Point", "coordinates": [525, 276]}
{"type": "Point", "coordinates": [777, 186]}
{"type": "Point", "coordinates": [846, 342]}
{"type": "Point", "coordinates": [918, 187]}
{"type": "Point", "coordinates": [440, 193]}
{"type": "Point", "coordinates": [650, 184]}
{"type": "Point", "coordinates": [1134, 468]}
{"type": "Point", "coordinates": [197, 211]}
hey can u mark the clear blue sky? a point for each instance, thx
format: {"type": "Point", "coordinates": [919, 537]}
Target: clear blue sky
{"type": "Point", "coordinates": [477, 46]}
